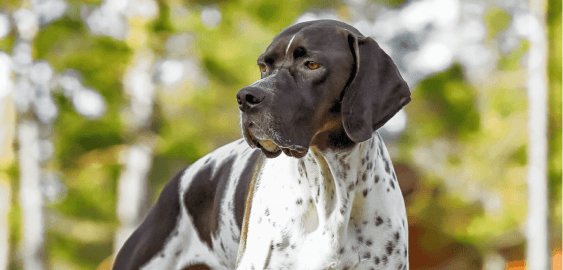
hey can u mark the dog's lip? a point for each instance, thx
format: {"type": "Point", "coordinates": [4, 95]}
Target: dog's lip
{"type": "Point", "coordinates": [272, 148]}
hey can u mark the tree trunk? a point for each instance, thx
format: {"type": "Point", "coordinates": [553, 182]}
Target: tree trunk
{"type": "Point", "coordinates": [537, 232]}
{"type": "Point", "coordinates": [31, 199]}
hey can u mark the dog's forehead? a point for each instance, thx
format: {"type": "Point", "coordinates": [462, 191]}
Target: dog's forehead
{"type": "Point", "coordinates": [316, 35]}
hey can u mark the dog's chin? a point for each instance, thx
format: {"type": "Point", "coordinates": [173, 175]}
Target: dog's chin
{"type": "Point", "coordinates": [273, 150]}
{"type": "Point", "coordinates": [269, 149]}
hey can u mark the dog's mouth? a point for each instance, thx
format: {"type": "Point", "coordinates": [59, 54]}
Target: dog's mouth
{"type": "Point", "coordinates": [273, 149]}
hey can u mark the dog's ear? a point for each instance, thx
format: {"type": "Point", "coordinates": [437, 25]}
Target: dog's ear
{"type": "Point", "coordinates": [376, 90]}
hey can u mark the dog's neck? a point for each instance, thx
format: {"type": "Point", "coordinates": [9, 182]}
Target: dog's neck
{"type": "Point", "coordinates": [336, 180]}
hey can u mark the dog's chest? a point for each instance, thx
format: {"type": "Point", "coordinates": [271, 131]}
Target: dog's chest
{"type": "Point", "coordinates": [298, 221]}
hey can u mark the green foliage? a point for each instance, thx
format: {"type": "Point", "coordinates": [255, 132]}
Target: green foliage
{"type": "Point", "coordinates": [67, 44]}
{"type": "Point", "coordinates": [162, 24]}
{"type": "Point", "coordinates": [520, 156]}
{"type": "Point", "coordinates": [512, 60]}
{"type": "Point", "coordinates": [451, 100]}
{"type": "Point", "coordinates": [392, 3]}
{"type": "Point", "coordinates": [89, 2]}
{"type": "Point", "coordinates": [66, 250]}
{"type": "Point", "coordinates": [497, 20]}
{"type": "Point", "coordinates": [9, 5]}
{"type": "Point", "coordinates": [505, 102]}
{"type": "Point", "coordinates": [7, 43]}
{"type": "Point", "coordinates": [218, 71]}
{"type": "Point", "coordinates": [470, 145]}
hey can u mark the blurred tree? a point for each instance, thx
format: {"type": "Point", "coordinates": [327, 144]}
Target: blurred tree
{"type": "Point", "coordinates": [537, 228]}
{"type": "Point", "coordinates": [555, 106]}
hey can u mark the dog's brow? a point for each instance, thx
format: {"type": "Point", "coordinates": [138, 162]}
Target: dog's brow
{"type": "Point", "coordinates": [289, 44]}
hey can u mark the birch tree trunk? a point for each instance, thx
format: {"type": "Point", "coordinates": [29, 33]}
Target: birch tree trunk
{"type": "Point", "coordinates": [537, 232]}
{"type": "Point", "coordinates": [7, 122]}
{"type": "Point", "coordinates": [132, 191]}
{"type": "Point", "coordinates": [31, 199]}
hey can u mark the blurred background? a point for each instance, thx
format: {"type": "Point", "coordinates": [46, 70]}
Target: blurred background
{"type": "Point", "coordinates": [103, 101]}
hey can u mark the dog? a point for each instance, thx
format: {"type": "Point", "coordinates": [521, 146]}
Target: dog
{"type": "Point", "coordinates": [330, 201]}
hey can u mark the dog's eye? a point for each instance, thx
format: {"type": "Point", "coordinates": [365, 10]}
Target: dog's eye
{"type": "Point", "coordinates": [312, 65]}
{"type": "Point", "coordinates": [262, 68]}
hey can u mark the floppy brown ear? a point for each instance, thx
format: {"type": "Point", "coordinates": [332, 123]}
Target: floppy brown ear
{"type": "Point", "coordinates": [377, 90]}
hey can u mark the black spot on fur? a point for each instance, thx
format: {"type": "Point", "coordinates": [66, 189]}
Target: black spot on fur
{"type": "Point", "coordinates": [341, 251]}
{"type": "Point", "coordinates": [397, 236]}
{"type": "Point", "coordinates": [385, 260]}
{"type": "Point", "coordinates": [376, 260]}
{"type": "Point", "coordinates": [368, 243]}
{"type": "Point", "coordinates": [389, 248]}
{"type": "Point", "coordinates": [365, 192]}
{"type": "Point", "coordinates": [199, 266]}
{"type": "Point", "coordinates": [378, 221]}
{"type": "Point", "coordinates": [204, 195]}
{"type": "Point", "coordinates": [299, 201]}
{"type": "Point", "coordinates": [376, 180]}
{"type": "Point", "coordinates": [392, 185]}
{"type": "Point", "coordinates": [367, 255]}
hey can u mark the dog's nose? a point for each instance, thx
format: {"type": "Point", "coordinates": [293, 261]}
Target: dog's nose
{"type": "Point", "coordinates": [249, 97]}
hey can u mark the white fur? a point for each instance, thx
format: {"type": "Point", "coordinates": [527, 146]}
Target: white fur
{"type": "Point", "coordinates": [289, 44]}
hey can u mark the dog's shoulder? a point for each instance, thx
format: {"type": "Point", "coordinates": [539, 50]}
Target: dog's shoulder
{"type": "Point", "coordinates": [215, 169]}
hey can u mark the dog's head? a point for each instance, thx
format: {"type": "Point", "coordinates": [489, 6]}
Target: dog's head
{"type": "Point", "coordinates": [319, 78]}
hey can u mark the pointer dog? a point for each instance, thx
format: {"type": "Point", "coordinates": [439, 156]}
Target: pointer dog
{"type": "Point", "coordinates": [331, 201]}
